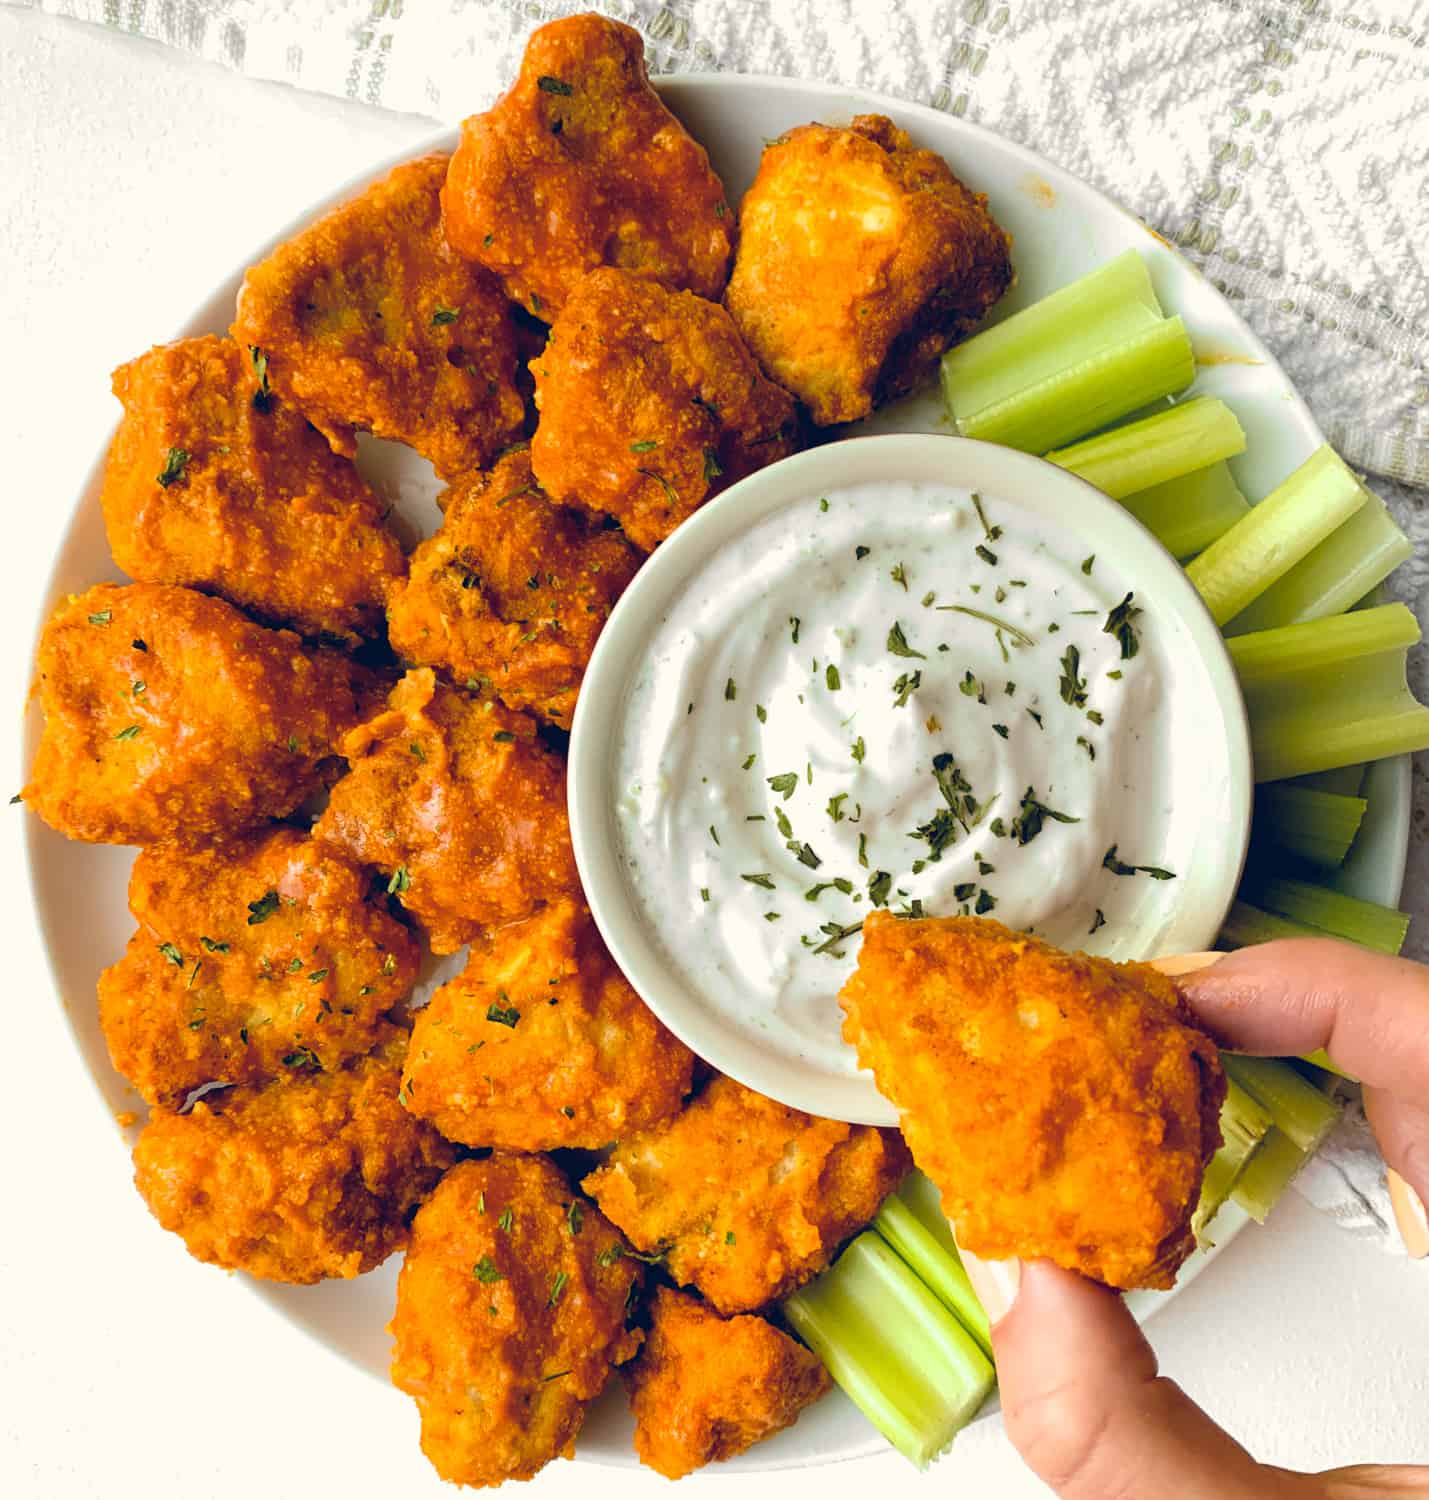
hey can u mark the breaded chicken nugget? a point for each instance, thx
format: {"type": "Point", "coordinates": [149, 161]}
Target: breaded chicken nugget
{"type": "Point", "coordinates": [861, 259]}
{"type": "Point", "coordinates": [255, 958]}
{"type": "Point", "coordinates": [747, 1198]}
{"type": "Point", "coordinates": [512, 590]}
{"type": "Point", "coordinates": [212, 481]}
{"type": "Point", "coordinates": [542, 1043]}
{"type": "Point", "coordinates": [369, 319]}
{"type": "Point", "coordinates": [510, 1315]}
{"type": "Point", "coordinates": [580, 165]}
{"type": "Point", "coordinates": [1064, 1105]}
{"type": "Point", "coordinates": [171, 717]}
{"type": "Point", "coordinates": [310, 1177]}
{"type": "Point", "coordinates": [460, 804]}
{"type": "Point", "coordinates": [706, 1388]}
{"type": "Point", "coordinates": [650, 403]}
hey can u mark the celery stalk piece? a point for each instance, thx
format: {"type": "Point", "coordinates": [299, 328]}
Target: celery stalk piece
{"type": "Point", "coordinates": [1364, 922]}
{"type": "Point", "coordinates": [1347, 566]}
{"type": "Point", "coordinates": [1166, 446]}
{"type": "Point", "coordinates": [1330, 692]}
{"type": "Point", "coordinates": [1315, 826]}
{"type": "Point", "coordinates": [1246, 925]}
{"type": "Point", "coordinates": [1343, 781]}
{"type": "Point", "coordinates": [904, 1360]}
{"type": "Point", "coordinates": [912, 1222]}
{"type": "Point", "coordinates": [1289, 523]}
{"type": "Point", "coordinates": [1298, 1108]}
{"type": "Point", "coordinates": [1187, 514]}
{"type": "Point", "coordinates": [1244, 1124]}
{"type": "Point", "coordinates": [1267, 1174]}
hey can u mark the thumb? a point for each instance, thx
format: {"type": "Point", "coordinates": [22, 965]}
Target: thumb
{"type": "Point", "coordinates": [1084, 1406]}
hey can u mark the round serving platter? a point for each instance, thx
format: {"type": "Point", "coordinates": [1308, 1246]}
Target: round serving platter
{"type": "Point", "coordinates": [1061, 228]}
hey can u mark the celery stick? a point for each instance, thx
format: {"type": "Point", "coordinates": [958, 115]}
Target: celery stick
{"type": "Point", "coordinates": [1343, 781]}
{"type": "Point", "coordinates": [1264, 545]}
{"type": "Point", "coordinates": [1166, 446]}
{"type": "Point", "coordinates": [1313, 825]}
{"type": "Point", "coordinates": [1246, 925]}
{"type": "Point", "coordinates": [1267, 1174]}
{"type": "Point", "coordinates": [912, 1222]}
{"type": "Point", "coordinates": [904, 1360]}
{"type": "Point", "coordinates": [1299, 1109]}
{"type": "Point", "coordinates": [1364, 922]}
{"type": "Point", "coordinates": [1187, 514]}
{"type": "Point", "coordinates": [1348, 565]}
{"type": "Point", "coordinates": [1244, 1123]}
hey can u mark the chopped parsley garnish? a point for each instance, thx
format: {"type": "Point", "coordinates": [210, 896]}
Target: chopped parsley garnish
{"type": "Point", "coordinates": [644, 446]}
{"type": "Point", "coordinates": [1019, 637]}
{"type": "Point", "coordinates": [670, 492]}
{"type": "Point", "coordinates": [905, 687]}
{"type": "Point", "coordinates": [835, 807]}
{"type": "Point", "coordinates": [1087, 745]}
{"type": "Point", "coordinates": [898, 643]}
{"type": "Point", "coordinates": [862, 851]}
{"type": "Point", "coordinates": [836, 935]}
{"type": "Point", "coordinates": [103, 617]}
{"type": "Point", "coordinates": [174, 467]}
{"type": "Point", "coordinates": [507, 1219]}
{"type": "Point", "coordinates": [987, 555]}
{"type": "Point", "coordinates": [1035, 717]}
{"type": "Point", "coordinates": [759, 713]}
{"type": "Point", "coordinates": [549, 85]}
{"type": "Point", "coordinates": [558, 1285]}
{"type": "Point", "coordinates": [1031, 815]}
{"type": "Point", "coordinates": [804, 854]}
{"type": "Point", "coordinates": [860, 553]}
{"type": "Point", "coordinates": [263, 908]}
{"type": "Point", "coordinates": [899, 574]}
{"type": "Point", "coordinates": [318, 975]}
{"type": "Point", "coordinates": [128, 732]}
{"type": "Point", "coordinates": [1000, 729]}
{"type": "Point", "coordinates": [418, 753]}
{"type": "Point", "coordinates": [1099, 920]}
{"type": "Point", "coordinates": [823, 503]}
{"type": "Point", "coordinates": [443, 315]}
{"type": "Point", "coordinates": [1120, 867]}
{"type": "Point", "coordinates": [730, 691]}
{"type": "Point", "coordinates": [504, 737]}
{"type": "Point", "coordinates": [729, 1236]}
{"type": "Point", "coordinates": [1087, 564]}
{"type": "Point", "coordinates": [485, 1271]}
{"type": "Point", "coordinates": [832, 679]}
{"type": "Point", "coordinates": [1073, 686]}
{"type": "Point", "coordinates": [172, 954]}
{"type": "Point", "coordinates": [879, 885]}
{"type": "Point", "coordinates": [301, 1057]}
{"type": "Point", "coordinates": [971, 687]}
{"type": "Point", "coordinates": [784, 783]}
{"type": "Point", "coordinates": [985, 903]}
{"type": "Point", "coordinates": [713, 467]}
{"type": "Point", "coordinates": [1118, 623]}
{"type": "Point", "coordinates": [713, 834]}
{"type": "Point", "coordinates": [263, 396]}
{"type": "Point", "coordinates": [759, 878]}
{"type": "Point", "coordinates": [748, 762]}
{"type": "Point", "coordinates": [704, 893]}
{"type": "Point", "coordinates": [503, 1015]}
{"type": "Point", "coordinates": [858, 750]}
{"type": "Point", "coordinates": [400, 882]}
{"type": "Point", "coordinates": [209, 946]}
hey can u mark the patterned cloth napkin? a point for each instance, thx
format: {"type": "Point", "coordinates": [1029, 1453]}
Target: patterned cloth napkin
{"type": "Point", "coordinates": [1282, 145]}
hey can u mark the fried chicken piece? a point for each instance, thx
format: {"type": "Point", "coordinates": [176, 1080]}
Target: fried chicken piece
{"type": "Point", "coordinates": [510, 1315]}
{"type": "Point", "coordinates": [253, 958]}
{"type": "Point", "coordinates": [580, 165]}
{"type": "Point", "coordinates": [650, 403]}
{"type": "Point", "coordinates": [1065, 1106]}
{"type": "Point", "coordinates": [706, 1388]}
{"type": "Point", "coordinates": [369, 319]}
{"type": "Point", "coordinates": [511, 590]}
{"type": "Point", "coordinates": [861, 260]}
{"type": "Point", "coordinates": [212, 481]}
{"type": "Point", "coordinates": [748, 1198]}
{"type": "Point", "coordinates": [310, 1177]}
{"type": "Point", "coordinates": [458, 802]}
{"type": "Point", "coordinates": [171, 717]}
{"type": "Point", "coordinates": [542, 1043]}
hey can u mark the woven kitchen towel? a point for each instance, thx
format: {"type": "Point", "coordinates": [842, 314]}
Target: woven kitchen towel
{"type": "Point", "coordinates": [1283, 145]}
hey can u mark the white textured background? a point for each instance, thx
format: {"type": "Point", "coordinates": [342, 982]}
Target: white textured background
{"type": "Point", "coordinates": [129, 175]}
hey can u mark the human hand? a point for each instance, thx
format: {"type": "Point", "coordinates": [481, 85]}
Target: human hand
{"type": "Point", "coordinates": [1082, 1400]}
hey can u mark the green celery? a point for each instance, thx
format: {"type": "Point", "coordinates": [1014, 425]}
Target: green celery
{"type": "Point", "coordinates": [1288, 524]}
{"type": "Point", "coordinates": [1187, 514]}
{"type": "Point", "coordinates": [1168, 445]}
{"type": "Point", "coordinates": [1299, 1109]}
{"type": "Point", "coordinates": [1381, 928]}
{"type": "Point", "coordinates": [1245, 925]}
{"type": "Point", "coordinates": [904, 1360]}
{"type": "Point", "coordinates": [912, 1221]}
{"type": "Point", "coordinates": [1244, 1123]}
{"type": "Point", "coordinates": [1343, 781]}
{"type": "Point", "coordinates": [1267, 1174]}
{"type": "Point", "coordinates": [1315, 826]}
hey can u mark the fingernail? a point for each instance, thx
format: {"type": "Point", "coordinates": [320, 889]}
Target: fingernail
{"type": "Point", "coordinates": [995, 1282]}
{"type": "Point", "coordinates": [1408, 1214]}
{"type": "Point", "coordinates": [1176, 964]}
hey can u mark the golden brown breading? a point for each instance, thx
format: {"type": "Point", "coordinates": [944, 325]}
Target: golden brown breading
{"type": "Point", "coordinates": [542, 1043]}
{"type": "Point", "coordinates": [580, 165]}
{"type": "Point", "coordinates": [370, 320]}
{"type": "Point", "coordinates": [169, 716]}
{"type": "Point", "coordinates": [650, 403]}
{"type": "Point", "coordinates": [460, 804]}
{"type": "Point", "coordinates": [213, 482]}
{"type": "Point", "coordinates": [309, 1177]}
{"type": "Point", "coordinates": [1064, 1105]}
{"type": "Point", "coordinates": [253, 959]}
{"type": "Point", "coordinates": [749, 1198]}
{"type": "Point", "coordinates": [510, 1314]}
{"type": "Point", "coordinates": [512, 590]}
{"type": "Point", "coordinates": [706, 1388]}
{"type": "Point", "coordinates": [861, 259]}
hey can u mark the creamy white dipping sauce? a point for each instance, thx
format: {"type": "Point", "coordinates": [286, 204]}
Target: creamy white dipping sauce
{"type": "Point", "coordinates": [868, 698]}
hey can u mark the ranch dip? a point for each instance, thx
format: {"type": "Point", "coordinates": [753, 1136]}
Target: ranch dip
{"type": "Point", "coordinates": [902, 695]}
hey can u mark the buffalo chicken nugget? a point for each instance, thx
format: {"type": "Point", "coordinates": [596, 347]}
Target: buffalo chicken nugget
{"type": "Point", "coordinates": [542, 1043]}
{"type": "Point", "coordinates": [580, 165]}
{"type": "Point", "coordinates": [212, 481]}
{"type": "Point", "coordinates": [457, 801]}
{"type": "Point", "coordinates": [313, 1176]}
{"type": "Point", "coordinates": [511, 1311]}
{"type": "Point", "coordinates": [1064, 1105]}
{"type": "Point", "coordinates": [861, 260]}
{"type": "Point", "coordinates": [253, 959]}
{"type": "Point", "coordinates": [650, 403]}
{"type": "Point", "coordinates": [169, 716]}
{"type": "Point", "coordinates": [368, 319]}
{"type": "Point", "coordinates": [706, 1388]}
{"type": "Point", "coordinates": [746, 1198]}
{"type": "Point", "coordinates": [512, 591]}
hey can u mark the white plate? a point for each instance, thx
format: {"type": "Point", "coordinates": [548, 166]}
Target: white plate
{"type": "Point", "coordinates": [1061, 228]}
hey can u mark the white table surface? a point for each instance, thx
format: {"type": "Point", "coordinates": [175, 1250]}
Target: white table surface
{"type": "Point", "coordinates": [131, 178]}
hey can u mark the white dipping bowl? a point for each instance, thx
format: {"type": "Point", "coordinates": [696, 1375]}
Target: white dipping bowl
{"type": "Point", "coordinates": [1212, 789]}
